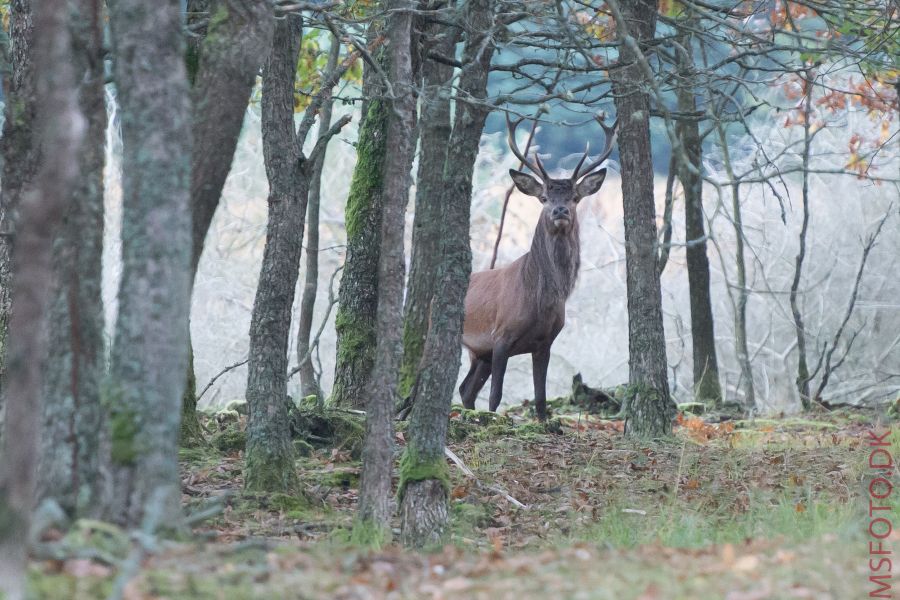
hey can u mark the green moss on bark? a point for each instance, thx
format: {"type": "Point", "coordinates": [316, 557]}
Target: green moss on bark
{"type": "Point", "coordinates": [647, 416]}
{"type": "Point", "coordinates": [368, 534]}
{"type": "Point", "coordinates": [415, 468]}
{"type": "Point", "coordinates": [270, 472]}
{"type": "Point", "coordinates": [191, 432]}
{"type": "Point", "coordinates": [123, 428]}
{"type": "Point", "coordinates": [355, 319]}
{"type": "Point", "coordinates": [413, 346]}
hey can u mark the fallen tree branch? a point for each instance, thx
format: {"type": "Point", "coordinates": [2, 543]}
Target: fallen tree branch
{"type": "Point", "coordinates": [468, 473]}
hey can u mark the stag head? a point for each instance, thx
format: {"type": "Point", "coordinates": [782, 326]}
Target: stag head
{"type": "Point", "coordinates": [560, 196]}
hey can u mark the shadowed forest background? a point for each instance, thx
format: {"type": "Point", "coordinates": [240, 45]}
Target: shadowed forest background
{"type": "Point", "coordinates": [257, 257]}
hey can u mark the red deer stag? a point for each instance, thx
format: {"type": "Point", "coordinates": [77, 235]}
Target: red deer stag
{"type": "Point", "coordinates": [521, 308]}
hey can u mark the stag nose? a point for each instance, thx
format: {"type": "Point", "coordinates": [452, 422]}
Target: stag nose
{"type": "Point", "coordinates": [560, 212]}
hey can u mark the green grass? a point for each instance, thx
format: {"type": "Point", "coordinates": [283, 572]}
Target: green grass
{"type": "Point", "coordinates": [680, 525]}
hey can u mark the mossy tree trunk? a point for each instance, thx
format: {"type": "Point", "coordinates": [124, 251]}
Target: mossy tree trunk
{"type": "Point", "coordinates": [358, 294]}
{"type": "Point", "coordinates": [372, 524]}
{"type": "Point", "coordinates": [309, 386]}
{"type": "Point", "coordinates": [150, 350]}
{"type": "Point", "coordinates": [269, 453]}
{"type": "Point", "coordinates": [650, 411]}
{"type": "Point", "coordinates": [20, 152]}
{"type": "Point", "coordinates": [60, 126]}
{"type": "Point", "coordinates": [703, 341]}
{"type": "Point", "coordinates": [434, 140]}
{"type": "Point", "coordinates": [73, 466]}
{"type": "Point", "coordinates": [424, 482]}
{"type": "Point", "coordinates": [222, 68]}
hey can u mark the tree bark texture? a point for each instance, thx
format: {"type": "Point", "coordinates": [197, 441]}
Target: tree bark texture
{"type": "Point", "coordinates": [309, 386]}
{"type": "Point", "coordinates": [61, 128]}
{"type": "Point", "coordinates": [150, 350]}
{"type": "Point", "coordinates": [74, 470]}
{"type": "Point", "coordinates": [706, 369]}
{"type": "Point", "coordinates": [650, 410]}
{"type": "Point", "coordinates": [434, 140]}
{"type": "Point", "coordinates": [424, 507]}
{"type": "Point", "coordinates": [270, 455]}
{"type": "Point", "coordinates": [375, 486]}
{"type": "Point", "coordinates": [20, 152]}
{"type": "Point", "coordinates": [225, 64]}
{"type": "Point", "coordinates": [358, 293]}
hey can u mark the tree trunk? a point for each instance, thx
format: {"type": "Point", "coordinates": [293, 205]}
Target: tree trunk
{"type": "Point", "coordinates": [373, 518]}
{"type": "Point", "coordinates": [72, 462]}
{"type": "Point", "coordinates": [740, 305]}
{"type": "Point", "coordinates": [358, 293]}
{"type": "Point", "coordinates": [270, 455]}
{"type": "Point", "coordinates": [434, 140]}
{"type": "Point", "coordinates": [309, 386]}
{"type": "Point", "coordinates": [423, 476]}
{"type": "Point", "coordinates": [650, 410]}
{"type": "Point", "coordinates": [20, 153]}
{"type": "Point", "coordinates": [149, 356]}
{"type": "Point", "coordinates": [706, 369]}
{"type": "Point", "coordinates": [222, 71]}
{"type": "Point", "coordinates": [61, 127]}
{"type": "Point", "coordinates": [803, 376]}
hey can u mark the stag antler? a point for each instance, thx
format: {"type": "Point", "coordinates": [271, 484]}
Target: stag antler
{"type": "Point", "coordinates": [537, 167]}
{"type": "Point", "coordinates": [610, 132]}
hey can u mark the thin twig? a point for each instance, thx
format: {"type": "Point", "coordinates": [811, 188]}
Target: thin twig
{"type": "Point", "coordinates": [219, 374]}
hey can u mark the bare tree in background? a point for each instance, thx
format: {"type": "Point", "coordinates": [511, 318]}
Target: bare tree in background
{"type": "Point", "coordinates": [149, 355]}
{"type": "Point", "coordinates": [372, 524]}
{"type": "Point", "coordinates": [434, 141]}
{"type": "Point", "coordinates": [61, 127]}
{"type": "Point", "coordinates": [423, 469]}
{"type": "Point", "coordinates": [270, 454]}
{"type": "Point", "coordinates": [650, 410]}
{"type": "Point", "coordinates": [355, 319]}
{"type": "Point", "coordinates": [309, 385]}
{"type": "Point", "coordinates": [703, 340]}
{"type": "Point", "coordinates": [222, 67]}
{"type": "Point", "coordinates": [74, 463]}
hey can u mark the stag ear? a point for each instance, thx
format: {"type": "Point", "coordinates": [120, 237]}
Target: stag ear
{"type": "Point", "coordinates": [590, 184]}
{"type": "Point", "coordinates": [526, 183]}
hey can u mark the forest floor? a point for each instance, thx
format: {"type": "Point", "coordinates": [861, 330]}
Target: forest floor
{"type": "Point", "coordinates": [741, 510]}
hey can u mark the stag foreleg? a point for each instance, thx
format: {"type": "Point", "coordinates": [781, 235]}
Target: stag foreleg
{"type": "Point", "coordinates": [498, 371]}
{"type": "Point", "coordinates": [474, 381]}
{"type": "Point", "coordinates": [540, 360]}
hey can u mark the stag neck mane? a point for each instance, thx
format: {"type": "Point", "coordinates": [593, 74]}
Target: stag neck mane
{"type": "Point", "coordinates": [550, 268]}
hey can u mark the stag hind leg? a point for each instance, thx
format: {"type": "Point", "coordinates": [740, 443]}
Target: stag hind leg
{"type": "Point", "coordinates": [474, 381]}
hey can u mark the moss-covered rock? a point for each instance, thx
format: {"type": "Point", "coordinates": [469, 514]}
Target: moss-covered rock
{"type": "Point", "coordinates": [229, 441]}
{"type": "Point", "coordinates": [226, 417]}
{"type": "Point", "coordinates": [692, 408]}
{"type": "Point", "coordinates": [239, 406]}
{"type": "Point", "coordinates": [303, 448]}
{"type": "Point", "coordinates": [324, 427]}
{"type": "Point", "coordinates": [338, 478]}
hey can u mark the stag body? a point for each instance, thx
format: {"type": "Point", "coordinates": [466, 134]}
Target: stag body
{"type": "Point", "coordinates": [521, 308]}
